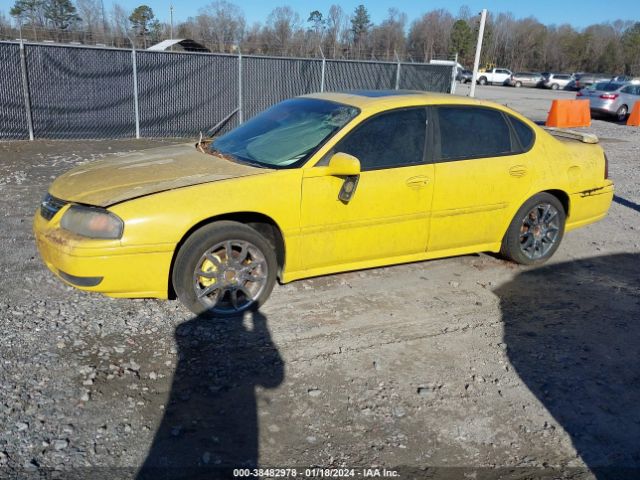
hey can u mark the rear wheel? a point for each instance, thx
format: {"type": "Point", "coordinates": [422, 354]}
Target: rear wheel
{"type": "Point", "coordinates": [621, 113]}
{"type": "Point", "coordinates": [224, 268]}
{"type": "Point", "coordinates": [536, 230]}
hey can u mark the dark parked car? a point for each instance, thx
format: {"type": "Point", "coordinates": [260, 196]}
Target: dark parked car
{"type": "Point", "coordinates": [464, 76]}
{"type": "Point", "coordinates": [583, 80]}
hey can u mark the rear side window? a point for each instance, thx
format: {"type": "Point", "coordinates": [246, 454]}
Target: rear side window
{"type": "Point", "coordinates": [523, 132]}
{"type": "Point", "coordinates": [471, 132]}
{"type": "Point", "coordinates": [392, 139]}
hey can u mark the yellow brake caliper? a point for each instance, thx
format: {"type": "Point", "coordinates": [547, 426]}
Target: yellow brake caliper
{"type": "Point", "coordinates": [208, 266]}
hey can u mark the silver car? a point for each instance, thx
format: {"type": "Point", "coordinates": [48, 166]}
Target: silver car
{"type": "Point", "coordinates": [612, 98]}
{"type": "Point", "coordinates": [556, 81]}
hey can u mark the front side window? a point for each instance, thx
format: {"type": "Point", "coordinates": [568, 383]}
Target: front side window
{"type": "Point", "coordinates": [285, 135]}
{"type": "Point", "coordinates": [472, 132]}
{"type": "Point", "coordinates": [392, 139]}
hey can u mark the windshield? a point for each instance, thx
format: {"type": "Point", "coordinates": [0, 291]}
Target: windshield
{"type": "Point", "coordinates": [286, 134]}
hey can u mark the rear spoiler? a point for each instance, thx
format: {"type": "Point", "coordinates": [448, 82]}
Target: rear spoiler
{"type": "Point", "coordinates": [572, 134]}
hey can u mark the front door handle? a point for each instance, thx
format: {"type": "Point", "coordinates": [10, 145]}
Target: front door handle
{"type": "Point", "coordinates": [518, 171]}
{"type": "Point", "coordinates": [419, 181]}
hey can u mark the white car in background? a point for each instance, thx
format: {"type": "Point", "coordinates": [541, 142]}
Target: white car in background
{"type": "Point", "coordinates": [494, 76]}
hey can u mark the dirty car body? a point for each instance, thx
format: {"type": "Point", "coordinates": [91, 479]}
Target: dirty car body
{"type": "Point", "coordinates": [317, 185]}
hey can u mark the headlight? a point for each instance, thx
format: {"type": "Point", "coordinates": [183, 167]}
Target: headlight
{"type": "Point", "coordinates": [92, 222]}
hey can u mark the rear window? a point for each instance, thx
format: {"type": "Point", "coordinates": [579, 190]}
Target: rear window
{"type": "Point", "coordinates": [607, 86]}
{"type": "Point", "coordinates": [524, 133]}
{"type": "Point", "coordinates": [471, 132]}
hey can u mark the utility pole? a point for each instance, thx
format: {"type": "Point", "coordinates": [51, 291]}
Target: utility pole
{"type": "Point", "coordinates": [476, 62]}
{"type": "Point", "coordinates": [171, 29]}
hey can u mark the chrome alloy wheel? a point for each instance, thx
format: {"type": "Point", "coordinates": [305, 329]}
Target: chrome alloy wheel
{"type": "Point", "coordinates": [539, 231]}
{"type": "Point", "coordinates": [230, 276]}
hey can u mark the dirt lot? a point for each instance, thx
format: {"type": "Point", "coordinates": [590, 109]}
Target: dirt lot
{"type": "Point", "coordinates": [468, 367]}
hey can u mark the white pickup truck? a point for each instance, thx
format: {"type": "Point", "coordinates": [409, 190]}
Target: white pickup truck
{"type": "Point", "coordinates": [494, 76]}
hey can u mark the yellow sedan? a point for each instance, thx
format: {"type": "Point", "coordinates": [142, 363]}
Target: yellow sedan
{"type": "Point", "coordinates": [320, 184]}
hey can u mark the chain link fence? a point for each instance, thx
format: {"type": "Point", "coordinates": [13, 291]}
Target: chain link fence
{"type": "Point", "coordinates": [60, 91]}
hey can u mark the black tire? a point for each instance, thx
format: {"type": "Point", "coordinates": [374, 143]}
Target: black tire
{"type": "Point", "coordinates": [482, 81]}
{"type": "Point", "coordinates": [621, 113]}
{"type": "Point", "coordinates": [554, 86]}
{"type": "Point", "coordinates": [518, 84]}
{"type": "Point", "coordinates": [229, 271]}
{"type": "Point", "coordinates": [516, 245]}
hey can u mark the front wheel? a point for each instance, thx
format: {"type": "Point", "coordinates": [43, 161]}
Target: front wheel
{"type": "Point", "coordinates": [536, 230]}
{"type": "Point", "coordinates": [555, 86]}
{"type": "Point", "coordinates": [518, 84]}
{"type": "Point", "coordinates": [224, 268]}
{"type": "Point", "coordinates": [482, 81]}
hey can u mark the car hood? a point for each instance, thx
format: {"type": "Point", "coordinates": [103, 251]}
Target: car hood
{"type": "Point", "coordinates": [113, 180]}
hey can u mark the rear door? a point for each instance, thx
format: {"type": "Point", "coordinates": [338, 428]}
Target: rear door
{"type": "Point", "coordinates": [482, 167]}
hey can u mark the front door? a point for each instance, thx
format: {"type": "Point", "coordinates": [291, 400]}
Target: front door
{"type": "Point", "coordinates": [388, 216]}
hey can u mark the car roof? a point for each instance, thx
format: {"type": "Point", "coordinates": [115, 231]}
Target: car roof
{"type": "Point", "coordinates": [386, 99]}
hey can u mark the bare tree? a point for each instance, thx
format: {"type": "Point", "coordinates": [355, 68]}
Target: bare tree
{"type": "Point", "coordinates": [120, 25]}
{"type": "Point", "coordinates": [388, 37]}
{"type": "Point", "coordinates": [90, 12]}
{"type": "Point", "coordinates": [336, 25]}
{"type": "Point", "coordinates": [282, 24]}
{"type": "Point", "coordinates": [429, 35]}
{"type": "Point", "coordinates": [222, 24]}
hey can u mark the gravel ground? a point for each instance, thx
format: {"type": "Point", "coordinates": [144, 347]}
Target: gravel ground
{"type": "Point", "coordinates": [468, 367]}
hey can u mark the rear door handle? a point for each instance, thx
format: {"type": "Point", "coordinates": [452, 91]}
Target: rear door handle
{"type": "Point", "coordinates": [418, 181]}
{"type": "Point", "coordinates": [518, 171]}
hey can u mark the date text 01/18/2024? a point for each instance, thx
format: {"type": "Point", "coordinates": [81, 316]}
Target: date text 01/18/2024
{"type": "Point", "coordinates": [315, 472]}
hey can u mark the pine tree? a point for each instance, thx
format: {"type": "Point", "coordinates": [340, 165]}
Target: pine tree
{"type": "Point", "coordinates": [360, 24]}
{"type": "Point", "coordinates": [61, 14]}
{"type": "Point", "coordinates": [141, 20]}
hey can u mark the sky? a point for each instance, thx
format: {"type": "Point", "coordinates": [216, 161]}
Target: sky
{"type": "Point", "coordinates": [577, 13]}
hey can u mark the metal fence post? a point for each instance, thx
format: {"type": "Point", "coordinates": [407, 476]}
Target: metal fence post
{"type": "Point", "coordinates": [324, 69]}
{"type": "Point", "coordinates": [25, 89]}
{"type": "Point", "coordinates": [454, 74]}
{"type": "Point", "coordinates": [135, 89]}
{"type": "Point", "coordinates": [240, 112]}
{"type": "Point", "coordinates": [397, 71]}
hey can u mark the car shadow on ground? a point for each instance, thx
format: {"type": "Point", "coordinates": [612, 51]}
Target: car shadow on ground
{"type": "Point", "coordinates": [210, 424]}
{"type": "Point", "coordinates": [627, 203]}
{"type": "Point", "coordinates": [572, 332]}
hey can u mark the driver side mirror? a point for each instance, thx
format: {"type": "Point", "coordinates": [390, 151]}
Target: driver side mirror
{"type": "Point", "coordinates": [348, 166]}
{"type": "Point", "coordinates": [343, 164]}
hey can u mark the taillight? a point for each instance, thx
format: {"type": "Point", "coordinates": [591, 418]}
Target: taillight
{"type": "Point", "coordinates": [606, 167]}
{"type": "Point", "coordinates": [609, 96]}
{"type": "Point", "coordinates": [579, 94]}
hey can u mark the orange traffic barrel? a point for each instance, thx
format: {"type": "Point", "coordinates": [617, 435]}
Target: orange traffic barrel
{"type": "Point", "coordinates": [569, 114]}
{"type": "Point", "coordinates": [634, 118]}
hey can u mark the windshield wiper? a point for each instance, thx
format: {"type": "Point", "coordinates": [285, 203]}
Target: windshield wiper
{"type": "Point", "coordinates": [233, 158]}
